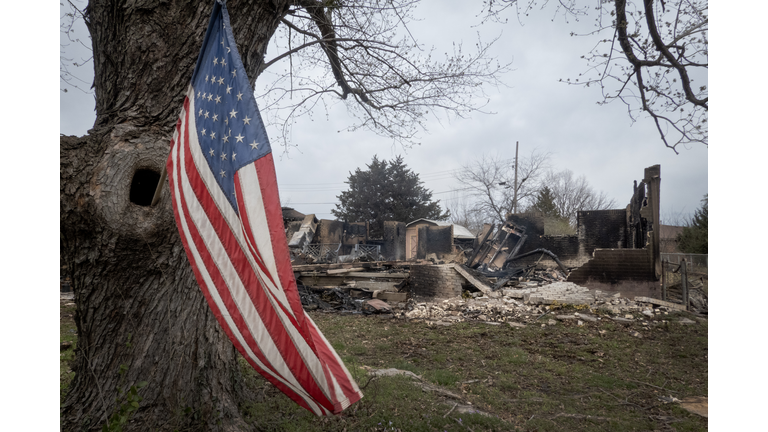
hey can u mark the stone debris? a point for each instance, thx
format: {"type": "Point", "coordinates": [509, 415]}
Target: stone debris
{"type": "Point", "coordinates": [528, 304]}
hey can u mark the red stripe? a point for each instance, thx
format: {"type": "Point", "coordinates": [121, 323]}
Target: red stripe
{"type": "Point", "coordinates": [277, 332]}
{"type": "Point", "coordinates": [226, 297]}
{"type": "Point", "coordinates": [268, 183]}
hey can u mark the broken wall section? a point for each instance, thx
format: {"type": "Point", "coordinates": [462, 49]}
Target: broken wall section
{"type": "Point", "coordinates": [393, 248]}
{"type": "Point", "coordinates": [440, 281]}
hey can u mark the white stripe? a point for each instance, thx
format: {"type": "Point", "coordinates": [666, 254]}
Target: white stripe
{"type": "Point", "coordinates": [205, 229]}
{"type": "Point", "coordinates": [257, 217]}
{"type": "Point", "coordinates": [236, 287]}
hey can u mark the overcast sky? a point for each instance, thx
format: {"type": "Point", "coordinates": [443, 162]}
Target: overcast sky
{"type": "Point", "coordinates": [534, 109]}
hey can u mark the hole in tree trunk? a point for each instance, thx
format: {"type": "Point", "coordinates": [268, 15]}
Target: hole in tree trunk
{"type": "Point", "coordinates": [143, 186]}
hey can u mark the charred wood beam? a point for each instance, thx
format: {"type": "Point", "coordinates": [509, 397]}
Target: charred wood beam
{"type": "Point", "coordinates": [544, 251]}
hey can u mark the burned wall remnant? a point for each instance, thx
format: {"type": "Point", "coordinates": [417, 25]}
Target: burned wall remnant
{"type": "Point", "coordinates": [614, 250]}
{"type": "Point", "coordinates": [601, 229]}
{"type": "Point", "coordinates": [347, 234]}
{"type": "Point", "coordinates": [629, 271]}
{"type": "Point", "coordinates": [393, 248]}
{"type": "Point", "coordinates": [634, 264]}
{"type": "Point", "coordinates": [440, 281]}
{"type": "Point", "coordinates": [434, 239]}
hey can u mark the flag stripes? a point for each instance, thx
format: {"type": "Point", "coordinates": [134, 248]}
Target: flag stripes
{"type": "Point", "coordinates": [251, 293]}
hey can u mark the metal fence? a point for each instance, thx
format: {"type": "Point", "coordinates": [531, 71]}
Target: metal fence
{"type": "Point", "coordinates": [680, 273]}
{"type": "Point", "coordinates": [323, 252]}
{"type": "Point", "coordinates": [692, 261]}
{"type": "Point", "coordinates": [367, 252]}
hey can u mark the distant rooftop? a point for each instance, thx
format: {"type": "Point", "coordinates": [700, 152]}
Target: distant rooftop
{"type": "Point", "coordinates": [458, 230]}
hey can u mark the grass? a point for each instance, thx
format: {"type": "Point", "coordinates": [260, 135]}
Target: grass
{"type": "Point", "coordinates": [562, 377]}
{"type": "Point", "coordinates": [68, 334]}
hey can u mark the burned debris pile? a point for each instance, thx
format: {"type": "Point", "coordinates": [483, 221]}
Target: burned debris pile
{"type": "Point", "coordinates": [506, 271]}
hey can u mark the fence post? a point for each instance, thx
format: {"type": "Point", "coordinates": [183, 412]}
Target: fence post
{"type": "Point", "coordinates": [664, 267]}
{"type": "Point", "coordinates": [684, 282]}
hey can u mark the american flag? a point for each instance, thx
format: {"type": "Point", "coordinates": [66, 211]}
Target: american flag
{"type": "Point", "coordinates": [227, 209]}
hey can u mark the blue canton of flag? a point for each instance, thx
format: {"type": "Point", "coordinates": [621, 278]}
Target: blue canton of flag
{"type": "Point", "coordinates": [229, 126]}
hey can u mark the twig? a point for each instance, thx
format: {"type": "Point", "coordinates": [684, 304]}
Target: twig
{"type": "Point", "coordinates": [651, 385]}
{"type": "Point", "coordinates": [624, 402]}
{"type": "Point", "coordinates": [450, 410]}
{"type": "Point", "coordinates": [581, 416]}
{"type": "Point", "coordinates": [460, 424]}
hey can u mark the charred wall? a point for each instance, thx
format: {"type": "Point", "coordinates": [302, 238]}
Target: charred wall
{"type": "Point", "coordinates": [347, 233]}
{"type": "Point", "coordinates": [434, 239]}
{"type": "Point", "coordinates": [629, 271]}
{"type": "Point", "coordinates": [393, 247]}
{"type": "Point", "coordinates": [605, 229]}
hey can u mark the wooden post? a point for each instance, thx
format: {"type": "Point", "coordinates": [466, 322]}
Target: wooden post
{"type": "Point", "coordinates": [514, 202]}
{"type": "Point", "coordinates": [684, 281]}
{"type": "Point", "coordinates": [664, 267]}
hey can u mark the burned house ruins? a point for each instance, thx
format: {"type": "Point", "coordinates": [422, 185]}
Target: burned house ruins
{"type": "Point", "coordinates": [613, 251]}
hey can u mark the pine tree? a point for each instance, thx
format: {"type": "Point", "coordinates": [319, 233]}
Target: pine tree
{"type": "Point", "coordinates": [694, 237]}
{"type": "Point", "coordinates": [386, 191]}
{"type": "Point", "coordinates": [545, 203]}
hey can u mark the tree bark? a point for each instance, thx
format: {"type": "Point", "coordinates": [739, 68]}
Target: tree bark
{"type": "Point", "coordinates": [140, 314]}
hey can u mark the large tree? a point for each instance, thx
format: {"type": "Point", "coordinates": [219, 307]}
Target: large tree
{"type": "Point", "coordinates": [490, 181]}
{"type": "Point", "coordinates": [387, 190]}
{"type": "Point", "coordinates": [140, 315]}
{"type": "Point", "coordinates": [573, 194]}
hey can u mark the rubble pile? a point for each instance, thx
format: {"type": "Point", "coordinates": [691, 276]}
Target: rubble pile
{"type": "Point", "coordinates": [527, 305]}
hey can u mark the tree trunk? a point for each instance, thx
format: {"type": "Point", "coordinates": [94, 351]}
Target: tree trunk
{"type": "Point", "coordinates": [140, 315]}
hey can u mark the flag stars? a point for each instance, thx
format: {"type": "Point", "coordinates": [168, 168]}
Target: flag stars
{"type": "Point", "coordinates": [211, 152]}
{"type": "Point", "coordinates": [198, 95]}
{"type": "Point", "coordinates": [223, 174]}
{"type": "Point", "coordinates": [239, 95]}
{"type": "Point", "coordinates": [215, 61]}
{"type": "Point", "coordinates": [246, 120]}
{"type": "Point", "coordinates": [225, 139]}
{"type": "Point", "coordinates": [203, 131]}
{"type": "Point", "coordinates": [234, 73]}
{"type": "Point", "coordinates": [239, 138]}
{"type": "Point", "coordinates": [221, 80]}
{"type": "Point", "coordinates": [226, 121]}
{"type": "Point", "coordinates": [213, 135]}
{"type": "Point", "coordinates": [234, 155]}
{"type": "Point", "coordinates": [223, 156]}
{"type": "Point", "coordinates": [233, 113]}
{"type": "Point", "coordinates": [200, 112]}
{"type": "Point", "coordinates": [206, 114]}
{"type": "Point", "coordinates": [229, 89]}
{"type": "Point", "coordinates": [210, 97]}
{"type": "Point", "coordinates": [223, 63]}
{"type": "Point", "coordinates": [254, 145]}
{"type": "Point", "coordinates": [218, 99]}
{"type": "Point", "coordinates": [215, 117]}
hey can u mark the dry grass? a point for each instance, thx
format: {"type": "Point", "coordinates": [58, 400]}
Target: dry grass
{"type": "Point", "coordinates": [600, 376]}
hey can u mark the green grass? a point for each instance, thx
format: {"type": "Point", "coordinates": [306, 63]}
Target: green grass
{"type": "Point", "coordinates": [68, 334]}
{"type": "Point", "coordinates": [563, 377]}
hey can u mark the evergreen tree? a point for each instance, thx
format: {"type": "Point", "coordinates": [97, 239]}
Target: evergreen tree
{"type": "Point", "coordinates": [386, 191]}
{"type": "Point", "coordinates": [545, 203]}
{"type": "Point", "coordinates": [694, 237]}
